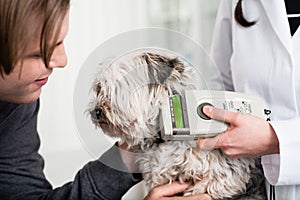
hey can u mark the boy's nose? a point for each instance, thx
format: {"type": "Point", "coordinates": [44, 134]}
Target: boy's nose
{"type": "Point", "coordinates": [59, 58]}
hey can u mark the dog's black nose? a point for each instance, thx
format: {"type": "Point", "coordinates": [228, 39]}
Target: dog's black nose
{"type": "Point", "coordinates": [96, 114]}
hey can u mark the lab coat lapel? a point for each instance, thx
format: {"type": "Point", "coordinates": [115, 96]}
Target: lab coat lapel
{"type": "Point", "coordinates": [276, 13]}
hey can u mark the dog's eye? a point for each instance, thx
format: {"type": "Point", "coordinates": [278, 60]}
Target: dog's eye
{"type": "Point", "coordinates": [96, 114]}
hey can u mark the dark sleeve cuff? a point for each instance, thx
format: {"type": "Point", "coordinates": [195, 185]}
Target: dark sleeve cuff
{"type": "Point", "coordinates": [111, 176]}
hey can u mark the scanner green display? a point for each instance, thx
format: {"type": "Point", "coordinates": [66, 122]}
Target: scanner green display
{"type": "Point", "coordinates": [176, 112]}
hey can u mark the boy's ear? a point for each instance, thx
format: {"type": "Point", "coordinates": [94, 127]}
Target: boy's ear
{"type": "Point", "coordinates": [160, 68]}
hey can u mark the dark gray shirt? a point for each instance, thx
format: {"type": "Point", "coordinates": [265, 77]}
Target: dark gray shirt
{"type": "Point", "coordinates": [21, 167]}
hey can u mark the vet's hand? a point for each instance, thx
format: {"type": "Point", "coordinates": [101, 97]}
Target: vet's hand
{"type": "Point", "coordinates": [169, 191]}
{"type": "Point", "coordinates": [246, 136]}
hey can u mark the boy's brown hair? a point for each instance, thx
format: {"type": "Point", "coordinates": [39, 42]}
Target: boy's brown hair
{"type": "Point", "coordinates": [19, 22]}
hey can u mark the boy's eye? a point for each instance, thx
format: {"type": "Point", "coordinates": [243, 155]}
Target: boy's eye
{"type": "Point", "coordinates": [59, 43]}
{"type": "Point", "coordinates": [36, 56]}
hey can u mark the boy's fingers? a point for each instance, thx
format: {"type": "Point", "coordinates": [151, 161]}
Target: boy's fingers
{"type": "Point", "coordinates": [173, 188]}
{"type": "Point", "coordinates": [201, 197]}
{"type": "Point", "coordinates": [194, 197]}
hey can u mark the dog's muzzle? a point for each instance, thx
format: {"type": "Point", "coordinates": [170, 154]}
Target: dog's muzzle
{"type": "Point", "coordinates": [96, 114]}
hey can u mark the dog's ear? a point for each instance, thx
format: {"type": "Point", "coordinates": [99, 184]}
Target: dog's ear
{"type": "Point", "coordinates": [161, 67]}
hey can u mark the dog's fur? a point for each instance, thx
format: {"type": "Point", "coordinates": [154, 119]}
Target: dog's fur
{"type": "Point", "coordinates": [128, 96]}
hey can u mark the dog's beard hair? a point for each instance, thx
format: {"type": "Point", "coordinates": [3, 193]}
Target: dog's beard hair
{"type": "Point", "coordinates": [124, 89]}
{"type": "Point", "coordinates": [130, 93]}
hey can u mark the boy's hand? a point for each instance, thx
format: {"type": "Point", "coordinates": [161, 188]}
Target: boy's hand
{"type": "Point", "coordinates": [169, 191]}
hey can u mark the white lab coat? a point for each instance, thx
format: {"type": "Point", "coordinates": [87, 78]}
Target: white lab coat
{"type": "Point", "coordinates": [264, 60]}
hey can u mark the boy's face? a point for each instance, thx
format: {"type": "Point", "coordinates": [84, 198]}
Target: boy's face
{"type": "Point", "coordinates": [24, 84]}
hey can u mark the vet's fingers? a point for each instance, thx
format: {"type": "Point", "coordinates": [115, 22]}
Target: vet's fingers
{"type": "Point", "coordinates": [220, 114]}
{"type": "Point", "coordinates": [208, 143]}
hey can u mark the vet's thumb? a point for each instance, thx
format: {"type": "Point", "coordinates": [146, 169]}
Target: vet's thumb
{"type": "Point", "coordinates": [208, 143]}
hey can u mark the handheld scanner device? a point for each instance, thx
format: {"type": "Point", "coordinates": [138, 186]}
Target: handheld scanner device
{"type": "Point", "coordinates": [182, 117]}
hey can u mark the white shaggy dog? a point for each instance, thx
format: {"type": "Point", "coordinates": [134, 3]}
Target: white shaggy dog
{"type": "Point", "coordinates": [128, 96]}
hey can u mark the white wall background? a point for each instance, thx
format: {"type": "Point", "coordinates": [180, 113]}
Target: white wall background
{"type": "Point", "coordinates": [91, 23]}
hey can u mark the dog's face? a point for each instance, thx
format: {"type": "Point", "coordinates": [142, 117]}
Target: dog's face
{"type": "Point", "coordinates": [128, 94]}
